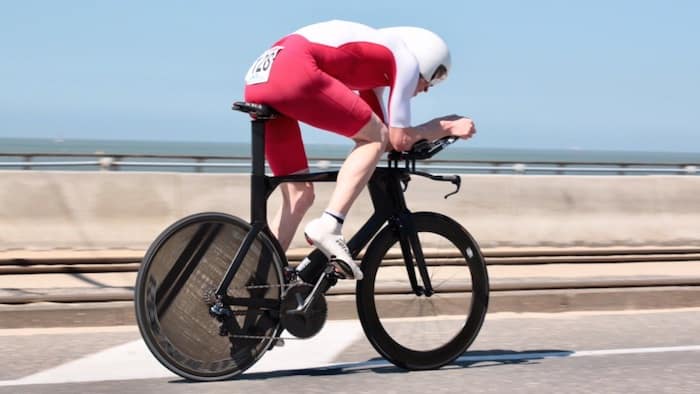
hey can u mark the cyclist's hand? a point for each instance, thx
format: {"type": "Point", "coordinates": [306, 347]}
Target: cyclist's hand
{"type": "Point", "coordinates": [461, 127]}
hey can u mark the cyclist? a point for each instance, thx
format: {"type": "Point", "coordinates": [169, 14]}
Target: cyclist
{"type": "Point", "coordinates": [332, 76]}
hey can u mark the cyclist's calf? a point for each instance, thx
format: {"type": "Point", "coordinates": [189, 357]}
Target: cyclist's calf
{"type": "Point", "coordinates": [299, 195]}
{"type": "Point", "coordinates": [297, 198]}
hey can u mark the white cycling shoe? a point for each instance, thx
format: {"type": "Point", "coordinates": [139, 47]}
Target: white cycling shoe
{"type": "Point", "coordinates": [325, 235]}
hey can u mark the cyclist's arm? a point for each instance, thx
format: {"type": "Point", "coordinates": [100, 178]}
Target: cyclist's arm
{"type": "Point", "coordinates": [403, 138]}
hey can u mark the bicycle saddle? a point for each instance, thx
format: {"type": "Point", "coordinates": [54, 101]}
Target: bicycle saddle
{"type": "Point", "coordinates": [259, 111]}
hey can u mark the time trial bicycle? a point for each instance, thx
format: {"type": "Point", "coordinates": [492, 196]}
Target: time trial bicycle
{"type": "Point", "coordinates": [215, 292]}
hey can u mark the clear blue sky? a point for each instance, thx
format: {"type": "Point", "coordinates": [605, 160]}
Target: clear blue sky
{"type": "Point", "coordinates": [597, 74]}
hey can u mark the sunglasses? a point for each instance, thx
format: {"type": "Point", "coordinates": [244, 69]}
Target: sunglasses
{"type": "Point", "coordinates": [438, 76]}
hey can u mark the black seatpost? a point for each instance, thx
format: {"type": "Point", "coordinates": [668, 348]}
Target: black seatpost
{"type": "Point", "coordinates": [258, 209]}
{"type": "Point", "coordinates": [258, 195]}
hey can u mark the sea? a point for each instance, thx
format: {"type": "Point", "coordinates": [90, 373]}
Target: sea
{"type": "Point", "coordinates": [14, 150]}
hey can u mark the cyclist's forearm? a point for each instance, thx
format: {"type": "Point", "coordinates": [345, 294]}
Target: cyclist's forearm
{"type": "Point", "coordinates": [433, 129]}
{"type": "Point", "coordinates": [403, 138]}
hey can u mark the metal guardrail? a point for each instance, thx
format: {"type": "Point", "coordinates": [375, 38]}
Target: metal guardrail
{"type": "Point", "coordinates": [518, 257]}
{"type": "Point", "coordinates": [436, 257]}
{"type": "Point", "coordinates": [239, 164]}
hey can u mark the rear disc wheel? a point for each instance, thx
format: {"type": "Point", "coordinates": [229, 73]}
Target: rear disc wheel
{"type": "Point", "coordinates": [174, 292]}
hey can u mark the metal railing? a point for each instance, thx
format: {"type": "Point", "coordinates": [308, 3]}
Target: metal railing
{"type": "Point", "coordinates": [540, 257]}
{"type": "Point", "coordinates": [241, 164]}
{"type": "Point", "coordinates": [515, 257]}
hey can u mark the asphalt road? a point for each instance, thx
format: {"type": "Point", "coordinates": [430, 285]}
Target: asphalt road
{"type": "Point", "coordinates": [585, 352]}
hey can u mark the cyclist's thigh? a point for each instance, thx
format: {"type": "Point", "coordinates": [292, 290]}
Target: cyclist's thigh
{"type": "Point", "coordinates": [284, 147]}
{"type": "Point", "coordinates": [332, 106]}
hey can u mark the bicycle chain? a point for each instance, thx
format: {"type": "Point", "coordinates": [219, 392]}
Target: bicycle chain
{"type": "Point", "coordinates": [209, 295]}
{"type": "Point", "coordinates": [261, 337]}
{"type": "Point", "coordinates": [264, 337]}
{"type": "Point", "coordinates": [271, 286]}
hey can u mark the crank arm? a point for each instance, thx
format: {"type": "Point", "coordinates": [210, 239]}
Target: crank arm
{"type": "Point", "coordinates": [304, 307]}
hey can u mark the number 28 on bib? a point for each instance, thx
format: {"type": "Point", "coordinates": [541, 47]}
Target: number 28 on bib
{"type": "Point", "coordinates": [259, 72]}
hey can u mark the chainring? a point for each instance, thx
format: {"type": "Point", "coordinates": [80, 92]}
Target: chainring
{"type": "Point", "coordinates": [302, 325]}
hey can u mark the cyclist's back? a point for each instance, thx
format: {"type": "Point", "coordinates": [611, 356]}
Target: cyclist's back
{"type": "Point", "coordinates": [365, 58]}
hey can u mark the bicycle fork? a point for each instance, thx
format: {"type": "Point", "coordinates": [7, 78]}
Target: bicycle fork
{"type": "Point", "coordinates": [387, 191]}
{"type": "Point", "coordinates": [412, 253]}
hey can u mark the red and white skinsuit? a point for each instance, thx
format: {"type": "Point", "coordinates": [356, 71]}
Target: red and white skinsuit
{"type": "Point", "coordinates": [330, 75]}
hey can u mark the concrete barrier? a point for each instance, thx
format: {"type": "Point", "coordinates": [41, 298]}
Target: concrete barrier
{"type": "Point", "coordinates": [119, 210]}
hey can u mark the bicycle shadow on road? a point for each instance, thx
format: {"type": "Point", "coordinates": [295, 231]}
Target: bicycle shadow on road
{"type": "Point", "coordinates": [490, 358]}
{"type": "Point", "coordinates": [474, 359]}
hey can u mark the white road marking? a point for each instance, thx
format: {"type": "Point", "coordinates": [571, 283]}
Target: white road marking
{"type": "Point", "coordinates": [25, 332]}
{"type": "Point", "coordinates": [525, 356]}
{"type": "Point", "coordinates": [641, 350]}
{"type": "Point", "coordinates": [570, 314]}
{"type": "Point", "coordinates": [322, 349]}
{"type": "Point", "coordinates": [133, 360]}
{"type": "Point", "coordinates": [128, 361]}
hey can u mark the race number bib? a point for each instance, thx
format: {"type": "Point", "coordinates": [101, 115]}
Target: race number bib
{"type": "Point", "coordinates": [259, 72]}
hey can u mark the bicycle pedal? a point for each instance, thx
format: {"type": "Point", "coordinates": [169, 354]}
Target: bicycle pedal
{"type": "Point", "coordinates": [332, 271]}
{"type": "Point", "coordinates": [340, 269]}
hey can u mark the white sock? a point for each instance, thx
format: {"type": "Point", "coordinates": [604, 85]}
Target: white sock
{"type": "Point", "coordinates": [337, 215]}
{"type": "Point", "coordinates": [331, 224]}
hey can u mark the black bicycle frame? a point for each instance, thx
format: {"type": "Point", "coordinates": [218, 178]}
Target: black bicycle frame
{"type": "Point", "coordinates": [386, 191]}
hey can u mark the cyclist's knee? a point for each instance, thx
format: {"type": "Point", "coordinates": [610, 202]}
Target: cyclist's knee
{"type": "Point", "coordinates": [374, 131]}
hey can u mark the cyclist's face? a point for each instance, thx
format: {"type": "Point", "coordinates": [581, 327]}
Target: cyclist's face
{"type": "Point", "coordinates": [422, 86]}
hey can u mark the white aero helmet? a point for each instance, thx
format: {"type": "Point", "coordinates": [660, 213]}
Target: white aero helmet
{"type": "Point", "coordinates": [430, 51]}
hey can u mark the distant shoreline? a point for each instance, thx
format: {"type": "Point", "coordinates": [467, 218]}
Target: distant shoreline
{"type": "Point", "coordinates": [455, 152]}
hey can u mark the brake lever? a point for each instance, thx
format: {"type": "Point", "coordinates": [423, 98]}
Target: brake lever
{"type": "Point", "coordinates": [457, 181]}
